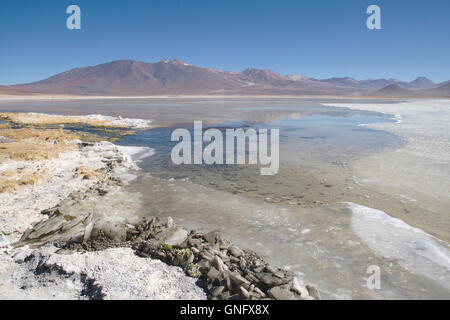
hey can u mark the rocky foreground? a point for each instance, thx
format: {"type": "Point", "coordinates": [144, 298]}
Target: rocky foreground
{"type": "Point", "coordinates": [53, 247]}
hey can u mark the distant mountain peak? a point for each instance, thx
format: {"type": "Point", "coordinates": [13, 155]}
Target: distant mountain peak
{"type": "Point", "coordinates": [172, 77]}
{"type": "Point", "coordinates": [175, 62]}
{"type": "Point", "coordinates": [422, 79]}
{"type": "Point", "coordinates": [263, 75]}
{"type": "Point", "coordinates": [297, 77]}
{"type": "Point", "coordinates": [393, 90]}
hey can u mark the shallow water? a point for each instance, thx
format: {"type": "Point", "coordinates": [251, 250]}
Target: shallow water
{"type": "Point", "coordinates": [296, 218]}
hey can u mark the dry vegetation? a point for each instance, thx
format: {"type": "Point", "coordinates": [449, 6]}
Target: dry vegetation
{"type": "Point", "coordinates": [35, 144]}
{"type": "Point", "coordinates": [30, 144]}
{"type": "Point", "coordinates": [12, 180]}
{"type": "Point", "coordinates": [33, 137]}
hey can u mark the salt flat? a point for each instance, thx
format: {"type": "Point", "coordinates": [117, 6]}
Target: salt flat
{"type": "Point", "coordinates": [419, 171]}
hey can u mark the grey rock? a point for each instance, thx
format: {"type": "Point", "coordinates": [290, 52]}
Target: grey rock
{"type": "Point", "coordinates": [50, 211]}
{"type": "Point", "coordinates": [298, 286]}
{"type": "Point", "coordinates": [235, 251]}
{"type": "Point", "coordinates": [211, 237]}
{"type": "Point", "coordinates": [174, 236]}
{"type": "Point", "coordinates": [219, 264]}
{"type": "Point", "coordinates": [281, 293]}
{"type": "Point", "coordinates": [217, 291]}
{"type": "Point", "coordinates": [58, 228]}
{"type": "Point", "coordinates": [270, 280]}
{"type": "Point", "coordinates": [22, 254]}
{"type": "Point", "coordinates": [169, 223]}
{"type": "Point", "coordinates": [213, 274]}
{"type": "Point", "coordinates": [237, 279]}
{"type": "Point", "coordinates": [207, 256]}
{"type": "Point", "coordinates": [194, 241]}
{"type": "Point", "coordinates": [270, 269]}
{"type": "Point", "coordinates": [259, 292]}
{"type": "Point", "coordinates": [250, 277]}
{"type": "Point", "coordinates": [225, 295]}
{"type": "Point", "coordinates": [242, 263]}
{"type": "Point", "coordinates": [244, 292]}
{"type": "Point", "coordinates": [313, 292]}
{"type": "Point", "coordinates": [224, 244]}
{"type": "Point", "coordinates": [88, 231]}
{"type": "Point", "coordinates": [204, 264]}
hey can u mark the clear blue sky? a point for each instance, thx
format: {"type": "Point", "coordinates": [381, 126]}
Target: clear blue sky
{"type": "Point", "coordinates": [315, 38]}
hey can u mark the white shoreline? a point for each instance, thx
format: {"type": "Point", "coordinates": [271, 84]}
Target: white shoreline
{"type": "Point", "coordinates": [118, 271]}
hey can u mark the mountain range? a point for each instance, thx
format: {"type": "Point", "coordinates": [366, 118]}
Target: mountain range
{"type": "Point", "coordinates": [175, 77]}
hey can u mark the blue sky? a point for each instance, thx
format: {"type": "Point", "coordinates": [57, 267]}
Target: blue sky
{"type": "Point", "coordinates": [315, 38]}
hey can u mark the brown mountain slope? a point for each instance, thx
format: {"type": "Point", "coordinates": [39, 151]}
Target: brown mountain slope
{"type": "Point", "coordinates": [441, 91]}
{"type": "Point", "coordinates": [175, 77]}
{"type": "Point", "coordinates": [392, 90]}
{"type": "Point", "coordinates": [129, 77]}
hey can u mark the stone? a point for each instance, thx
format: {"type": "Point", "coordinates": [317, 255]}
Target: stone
{"type": "Point", "coordinates": [313, 292]}
{"type": "Point", "coordinates": [225, 295]}
{"type": "Point", "coordinates": [217, 291]}
{"type": "Point", "coordinates": [174, 236]}
{"type": "Point", "coordinates": [252, 278]}
{"type": "Point", "coordinates": [207, 256]}
{"type": "Point", "coordinates": [219, 264]}
{"type": "Point", "coordinates": [254, 296]}
{"type": "Point", "coordinates": [196, 243]}
{"type": "Point", "coordinates": [213, 274]}
{"type": "Point", "coordinates": [204, 264]}
{"type": "Point", "coordinates": [270, 269]}
{"type": "Point", "coordinates": [235, 251]}
{"type": "Point", "coordinates": [50, 211]}
{"type": "Point", "coordinates": [260, 292]}
{"type": "Point", "coordinates": [88, 231]}
{"type": "Point", "coordinates": [244, 292]}
{"type": "Point", "coordinates": [22, 254]}
{"type": "Point", "coordinates": [224, 244]}
{"type": "Point", "coordinates": [270, 280]}
{"type": "Point", "coordinates": [281, 293]}
{"type": "Point", "coordinates": [169, 223]}
{"type": "Point", "coordinates": [242, 263]}
{"type": "Point", "coordinates": [298, 286]}
{"type": "Point", "coordinates": [211, 237]}
{"type": "Point", "coordinates": [237, 279]}
{"type": "Point", "coordinates": [228, 282]}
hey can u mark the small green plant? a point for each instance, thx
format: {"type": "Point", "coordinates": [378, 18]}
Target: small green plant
{"type": "Point", "coordinates": [166, 247]}
{"type": "Point", "coordinates": [188, 253]}
{"type": "Point", "coordinates": [193, 270]}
